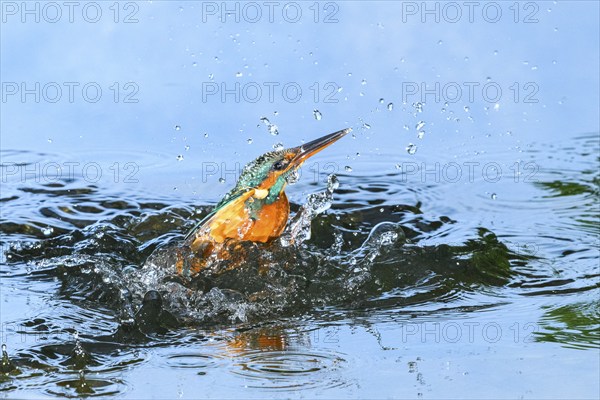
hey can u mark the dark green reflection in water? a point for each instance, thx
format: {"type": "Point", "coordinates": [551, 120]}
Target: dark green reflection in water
{"type": "Point", "coordinates": [575, 326]}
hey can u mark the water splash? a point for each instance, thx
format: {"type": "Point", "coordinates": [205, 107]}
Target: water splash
{"type": "Point", "coordinates": [292, 177]}
{"type": "Point", "coordinates": [79, 358]}
{"type": "Point", "coordinates": [298, 230]}
{"type": "Point", "coordinates": [6, 365]}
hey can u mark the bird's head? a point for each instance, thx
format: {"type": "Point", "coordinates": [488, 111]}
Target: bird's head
{"type": "Point", "coordinates": [269, 173]}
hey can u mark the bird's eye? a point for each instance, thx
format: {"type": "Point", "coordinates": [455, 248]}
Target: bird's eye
{"type": "Point", "coordinates": [279, 165]}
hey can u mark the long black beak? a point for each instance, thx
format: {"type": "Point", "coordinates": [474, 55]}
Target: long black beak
{"type": "Point", "coordinates": [313, 147]}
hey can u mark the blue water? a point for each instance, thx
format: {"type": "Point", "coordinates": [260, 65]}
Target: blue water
{"type": "Point", "coordinates": [460, 254]}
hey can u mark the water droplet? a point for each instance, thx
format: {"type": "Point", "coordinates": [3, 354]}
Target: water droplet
{"type": "Point", "coordinates": [194, 64]}
{"type": "Point", "coordinates": [317, 114]}
{"type": "Point", "coordinates": [179, 157]}
{"type": "Point", "coordinates": [495, 52]}
{"type": "Point", "coordinates": [411, 148]}
{"type": "Point", "coordinates": [496, 106]}
{"type": "Point", "coordinates": [466, 58]}
{"type": "Point", "coordinates": [406, 128]}
{"type": "Point", "coordinates": [398, 166]}
{"type": "Point", "coordinates": [206, 135]}
{"type": "Point", "coordinates": [47, 231]}
{"type": "Point", "coordinates": [332, 183]}
{"type": "Point", "coordinates": [381, 101]}
{"type": "Point", "coordinates": [177, 127]}
{"type": "Point", "coordinates": [249, 141]}
{"type": "Point", "coordinates": [418, 106]}
{"type": "Point", "coordinates": [187, 147]}
{"type": "Point", "coordinates": [466, 108]}
{"type": "Point", "coordinates": [534, 68]}
{"type": "Point", "coordinates": [273, 130]}
{"type": "Point", "coordinates": [420, 125]}
{"type": "Point", "coordinates": [421, 134]}
{"type": "Point", "coordinates": [390, 106]}
{"type": "Point", "coordinates": [221, 180]}
{"type": "Point", "coordinates": [211, 76]}
{"type": "Point", "coordinates": [494, 196]}
{"type": "Point", "coordinates": [348, 168]}
{"type": "Point", "coordinates": [278, 146]}
{"type": "Point", "coordinates": [363, 82]}
{"type": "Point", "coordinates": [239, 75]}
{"type": "Point", "coordinates": [440, 42]}
{"type": "Point", "coordinates": [49, 140]}
{"type": "Point", "coordinates": [292, 177]}
{"type": "Point", "coordinates": [349, 73]}
{"type": "Point", "coordinates": [366, 126]}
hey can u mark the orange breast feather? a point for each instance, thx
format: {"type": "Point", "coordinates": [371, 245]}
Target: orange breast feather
{"type": "Point", "coordinates": [233, 221]}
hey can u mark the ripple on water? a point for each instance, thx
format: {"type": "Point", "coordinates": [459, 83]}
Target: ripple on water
{"type": "Point", "coordinates": [82, 386]}
{"type": "Point", "coordinates": [573, 325]}
{"type": "Point", "coordinates": [285, 370]}
{"type": "Point", "coordinates": [192, 361]}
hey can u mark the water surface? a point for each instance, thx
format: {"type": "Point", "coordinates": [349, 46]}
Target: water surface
{"type": "Point", "coordinates": [458, 259]}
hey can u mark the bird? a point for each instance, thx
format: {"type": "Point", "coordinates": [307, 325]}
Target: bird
{"type": "Point", "coordinates": [256, 209]}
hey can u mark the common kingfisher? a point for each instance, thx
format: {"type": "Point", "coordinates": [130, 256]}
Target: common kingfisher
{"type": "Point", "coordinates": [256, 209]}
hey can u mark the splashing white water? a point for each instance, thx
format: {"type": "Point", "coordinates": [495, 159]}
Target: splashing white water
{"type": "Point", "coordinates": [298, 230]}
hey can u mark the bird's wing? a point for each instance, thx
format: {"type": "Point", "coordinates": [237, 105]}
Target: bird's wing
{"type": "Point", "coordinates": [226, 221]}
